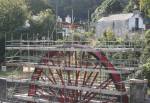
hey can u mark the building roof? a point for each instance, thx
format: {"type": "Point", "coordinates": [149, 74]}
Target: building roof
{"type": "Point", "coordinates": [117, 17]}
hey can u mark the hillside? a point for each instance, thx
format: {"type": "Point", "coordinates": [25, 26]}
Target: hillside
{"type": "Point", "coordinates": [108, 7]}
{"type": "Point", "coordinates": [80, 7]}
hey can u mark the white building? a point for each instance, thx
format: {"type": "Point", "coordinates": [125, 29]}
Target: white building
{"type": "Point", "coordinates": [120, 24]}
{"type": "Point", "coordinates": [68, 19]}
{"type": "Point", "coordinates": [59, 19]}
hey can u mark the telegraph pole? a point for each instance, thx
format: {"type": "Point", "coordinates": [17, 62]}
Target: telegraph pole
{"type": "Point", "coordinates": [56, 16]}
{"type": "Point", "coordinates": [88, 19]}
{"type": "Point", "coordinates": [72, 21]}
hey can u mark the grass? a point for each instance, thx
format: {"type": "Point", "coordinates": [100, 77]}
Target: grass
{"type": "Point", "coordinates": [9, 73]}
{"type": "Point", "coordinates": [5, 74]}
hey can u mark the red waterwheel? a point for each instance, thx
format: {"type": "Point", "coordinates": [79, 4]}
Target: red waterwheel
{"type": "Point", "coordinates": [72, 76]}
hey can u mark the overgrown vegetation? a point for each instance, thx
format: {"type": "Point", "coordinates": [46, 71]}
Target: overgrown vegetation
{"type": "Point", "coordinates": [42, 22]}
{"type": "Point", "coordinates": [146, 56]}
{"type": "Point", "coordinates": [32, 16]}
{"type": "Point", "coordinates": [24, 16]}
{"type": "Point", "coordinates": [110, 40]}
{"type": "Point", "coordinates": [108, 7]}
{"type": "Point", "coordinates": [145, 7]}
{"type": "Point", "coordinates": [13, 14]}
{"type": "Point", "coordinates": [38, 17]}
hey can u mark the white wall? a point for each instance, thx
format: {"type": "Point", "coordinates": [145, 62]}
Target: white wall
{"type": "Point", "coordinates": [132, 22]}
{"type": "Point", "coordinates": [121, 28]}
{"type": "Point", "coordinates": [101, 27]}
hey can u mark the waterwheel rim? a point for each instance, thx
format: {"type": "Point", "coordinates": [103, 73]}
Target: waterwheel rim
{"type": "Point", "coordinates": [67, 81]}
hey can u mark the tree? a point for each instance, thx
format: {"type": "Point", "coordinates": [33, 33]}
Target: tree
{"type": "Point", "coordinates": [146, 56]}
{"type": "Point", "coordinates": [146, 52]}
{"type": "Point", "coordinates": [42, 22]}
{"type": "Point", "coordinates": [13, 14]}
{"type": "Point", "coordinates": [38, 5]}
{"type": "Point", "coordinates": [145, 7]}
{"type": "Point", "coordinates": [107, 7]}
{"type": "Point", "coordinates": [132, 5]}
{"type": "Point", "coordinates": [129, 7]}
{"type": "Point", "coordinates": [146, 71]}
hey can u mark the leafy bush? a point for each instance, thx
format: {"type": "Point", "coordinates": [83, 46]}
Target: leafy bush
{"type": "Point", "coordinates": [107, 7]}
{"type": "Point", "coordinates": [146, 56]}
{"type": "Point", "coordinates": [13, 14]}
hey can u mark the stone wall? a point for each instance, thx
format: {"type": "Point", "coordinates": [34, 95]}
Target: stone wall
{"type": "Point", "coordinates": [3, 85]}
{"type": "Point", "coordinates": [138, 91]}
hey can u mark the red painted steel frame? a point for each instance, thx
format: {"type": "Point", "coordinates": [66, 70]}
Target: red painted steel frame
{"type": "Point", "coordinates": [115, 78]}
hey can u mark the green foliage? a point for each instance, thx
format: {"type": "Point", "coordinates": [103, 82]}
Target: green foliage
{"type": "Point", "coordinates": [109, 35]}
{"type": "Point", "coordinates": [129, 7]}
{"type": "Point", "coordinates": [88, 34]}
{"type": "Point", "coordinates": [146, 56]}
{"type": "Point", "coordinates": [146, 52]}
{"type": "Point", "coordinates": [38, 5]}
{"type": "Point", "coordinates": [76, 37]}
{"type": "Point", "coordinates": [132, 5]}
{"type": "Point", "coordinates": [42, 22]}
{"type": "Point", "coordinates": [145, 7]}
{"type": "Point", "coordinates": [110, 40]}
{"type": "Point", "coordinates": [147, 71]}
{"type": "Point", "coordinates": [42, 17]}
{"type": "Point", "coordinates": [107, 7]}
{"type": "Point", "coordinates": [13, 14]}
{"type": "Point", "coordinates": [8, 73]}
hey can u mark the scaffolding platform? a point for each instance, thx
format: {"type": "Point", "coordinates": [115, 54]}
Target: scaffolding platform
{"type": "Point", "coordinates": [25, 97]}
{"type": "Point", "coordinates": [46, 45]}
{"type": "Point", "coordinates": [68, 87]}
{"type": "Point", "coordinates": [72, 68]}
{"type": "Point", "coordinates": [48, 48]}
{"type": "Point", "coordinates": [123, 70]}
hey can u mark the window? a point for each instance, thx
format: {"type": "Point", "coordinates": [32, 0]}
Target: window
{"type": "Point", "coordinates": [136, 23]}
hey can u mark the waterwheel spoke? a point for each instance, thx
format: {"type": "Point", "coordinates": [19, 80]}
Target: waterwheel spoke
{"type": "Point", "coordinates": [101, 86]}
{"type": "Point", "coordinates": [67, 80]}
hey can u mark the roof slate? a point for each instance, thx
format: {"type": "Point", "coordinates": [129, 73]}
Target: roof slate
{"type": "Point", "coordinates": [117, 17]}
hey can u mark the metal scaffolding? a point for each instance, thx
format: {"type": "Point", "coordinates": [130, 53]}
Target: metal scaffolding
{"type": "Point", "coordinates": [69, 72]}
